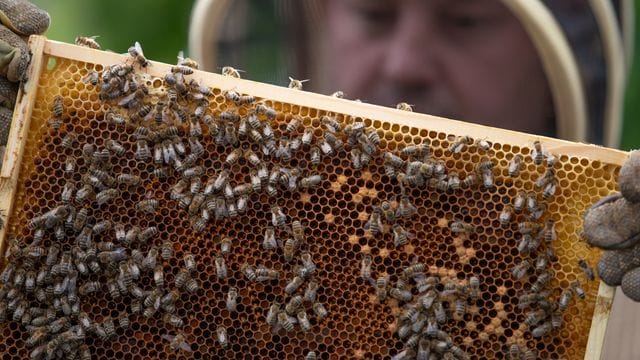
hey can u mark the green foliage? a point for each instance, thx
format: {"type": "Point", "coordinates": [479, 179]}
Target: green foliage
{"type": "Point", "coordinates": [161, 26]}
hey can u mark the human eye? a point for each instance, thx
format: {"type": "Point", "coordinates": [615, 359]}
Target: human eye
{"type": "Point", "coordinates": [375, 17]}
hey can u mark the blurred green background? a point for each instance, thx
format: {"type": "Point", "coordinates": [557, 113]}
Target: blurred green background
{"type": "Point", "coordinates": [161, 26]}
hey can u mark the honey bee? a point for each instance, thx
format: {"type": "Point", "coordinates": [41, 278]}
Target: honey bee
{"type": "Point", "coordinates": [458, 226]}
{"type": "Point", "coordinates": [177, 342]}
{"type": "Point", "coordinates": [68, 140]}
{"type": "Point", "coordinates": [189, 262]}
{"type": "Point", "coordinates": [137, 54]}
{"type": "Point", "coordinates": [166, 250]}
{"type": "Point", "coordinates": [541, 330]}
{"type": "Point", "coordinates": [404, 106]}
{"type": "Point", "coordinates": [315, 156]}
{"type": "Point", "coordinates": [528, 227]}
{"type": "Point", "coordinates": [231, 72]}
{"type": "Point", "coordinates": [272, 314]}
{"type": "Point", "coordinates": [278, 218]}
{"type": "Point", "coordinates": [439, 312]}
{"type": "Point", "coordinates": [308, 266]}
{"type": "Point", "coordinates": [305, 325]}
{"type": "Point", "coordinates": [519, 201]}
{"type": "Point", "coordinates": [550, 189]}
{"type": "Point", "coordinates": [586, 269]}
{"type": "Point", "coordinates": [296, 84]}
{"type": "Point", "coordinates": [400, 235]}
{"type": "Point", "coordinates": [284, 321]}
{"type": "Point", "coordinates": [532, 201]}
{"type": "Point", "coordinates": [375, 221]}
{"type": "Point", "coordinates": [453, 181]}
{"type": "Point", "coordinates": [252, 158]}
{"type": "Point", "coordinates": [221, 267]}
{"type": "Point", "coordinates": [293, 285]}
{"type": "Point", "coordinates": [400, 295]}
{"type": "Point", "coordinates": [310, 181]}
{"type": "Point", "coordinates": [248, 272]}
{"type": "Point", "coordinates": [515, 165]}
{"type": "Point", "coordinates": [520, 270]}
{"type": "Point", "coordinates": [311, 291]}
{"type": "Point", "coordinates": [537, 153]}
{"type": "Point", "coordinates": [148, 206]}
{"type": "Point", "coordinates": [88, 41]}
{"type": "Point", "coordinates": [143, 153]}
{"type": "Point", "coordinates": [506, 215]}
{"type": "Point", "coordinates": [565, 299]}
{"type": "Point", "coordinates": [311, 355]}
{"type": "Point", "coordinates": [460, 143]}
{"type": "Point", "coordinates": [232, 301]}
{"type": "Point", "coordinates": [263, 109]}
{"type": "Point", "coordinates": [293, 305]}
{"type": "Point", "coordinates": [172, 320]}
{"type": "Point", "coordinates": [405, 208]}
{"type": "Point", "coordinates": [233, 157]}
{"type": "Point", "coordinates": [382, 283]}
{"type": "Point", "coordinates": [289, 249]}
{"type": "Point", "coordinates": [470, 180]}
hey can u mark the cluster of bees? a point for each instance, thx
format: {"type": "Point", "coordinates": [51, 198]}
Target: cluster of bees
{"type": "Point", "coordinates": [42, 287]}
{"type": "Point", "coordinates": [420, 320]}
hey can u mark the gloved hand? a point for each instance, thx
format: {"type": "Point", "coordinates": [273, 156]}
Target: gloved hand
{"type": "Point", "coordinates": [18, 19]}
{"type": "Point", "coordinates": [613, 224]}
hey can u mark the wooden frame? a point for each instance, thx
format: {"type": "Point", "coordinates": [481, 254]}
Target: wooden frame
{"type": "Point", "coordinates": [40, 46]}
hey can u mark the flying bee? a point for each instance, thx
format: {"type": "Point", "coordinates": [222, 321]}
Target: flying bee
{"type": "Point", "coordinates": [375, 221]}
{"type": "Point", "coordinates": [458, 226]}
{"type": "Point", "coordinates": [515, 165]}
{"type": "Point", "coordinates": [519, 201]}
{"type": "Point", "coordinates": [88, 41]}
{"type": "Point", "coordinates": [400, 235]}
{"type": "Point", "coordinates": [537, 153]}
{"type": "Point", "coordinates": [296, 84]}
{"type": "Point", "coordinates": [586, 269]}
{"type": "Point", "coordinates": [232, 299]}
{"type": "Point", "coordinates": [506, 215]}
{"type": "Point", "coordinates": [404, 106]}
{"type": "Point", "coordinates": [460, 143]}
{"type": "Point", "coordinates": [221, 268]}
{"type": "Point", "coordinates": [231, 72]}
{"type": "Point", "coordinates": [137, 54]}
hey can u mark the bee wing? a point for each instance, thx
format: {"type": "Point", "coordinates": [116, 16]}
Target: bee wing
{"type": "Point", "coordinates": [180, 56]}
{"type": "Point", "coordinates": [168, 337]}
{"type": "Point", "coordinates": [186, 347]}
{"type": "Point", "coordinates": [138, 48]}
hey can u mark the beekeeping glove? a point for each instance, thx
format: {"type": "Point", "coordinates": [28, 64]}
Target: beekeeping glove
{"type": "Point", "coordinates": [613, 224]}
{"type": "Point", "coordinates": [18, 19]}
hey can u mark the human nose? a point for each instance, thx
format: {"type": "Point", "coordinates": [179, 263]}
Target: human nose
{"type": "Point", "coordinates": [411, 55]}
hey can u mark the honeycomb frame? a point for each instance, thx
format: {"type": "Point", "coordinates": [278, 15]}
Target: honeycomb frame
{"type": "Point", "coordinates": [597, 163]}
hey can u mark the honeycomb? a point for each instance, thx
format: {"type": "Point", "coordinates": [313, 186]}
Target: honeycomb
{"type": "Point", "coordinates": [334, 215]}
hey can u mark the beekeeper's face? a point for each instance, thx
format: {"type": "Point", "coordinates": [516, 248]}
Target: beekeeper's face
{"type": "Point", "coordinates": [466, 59]}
